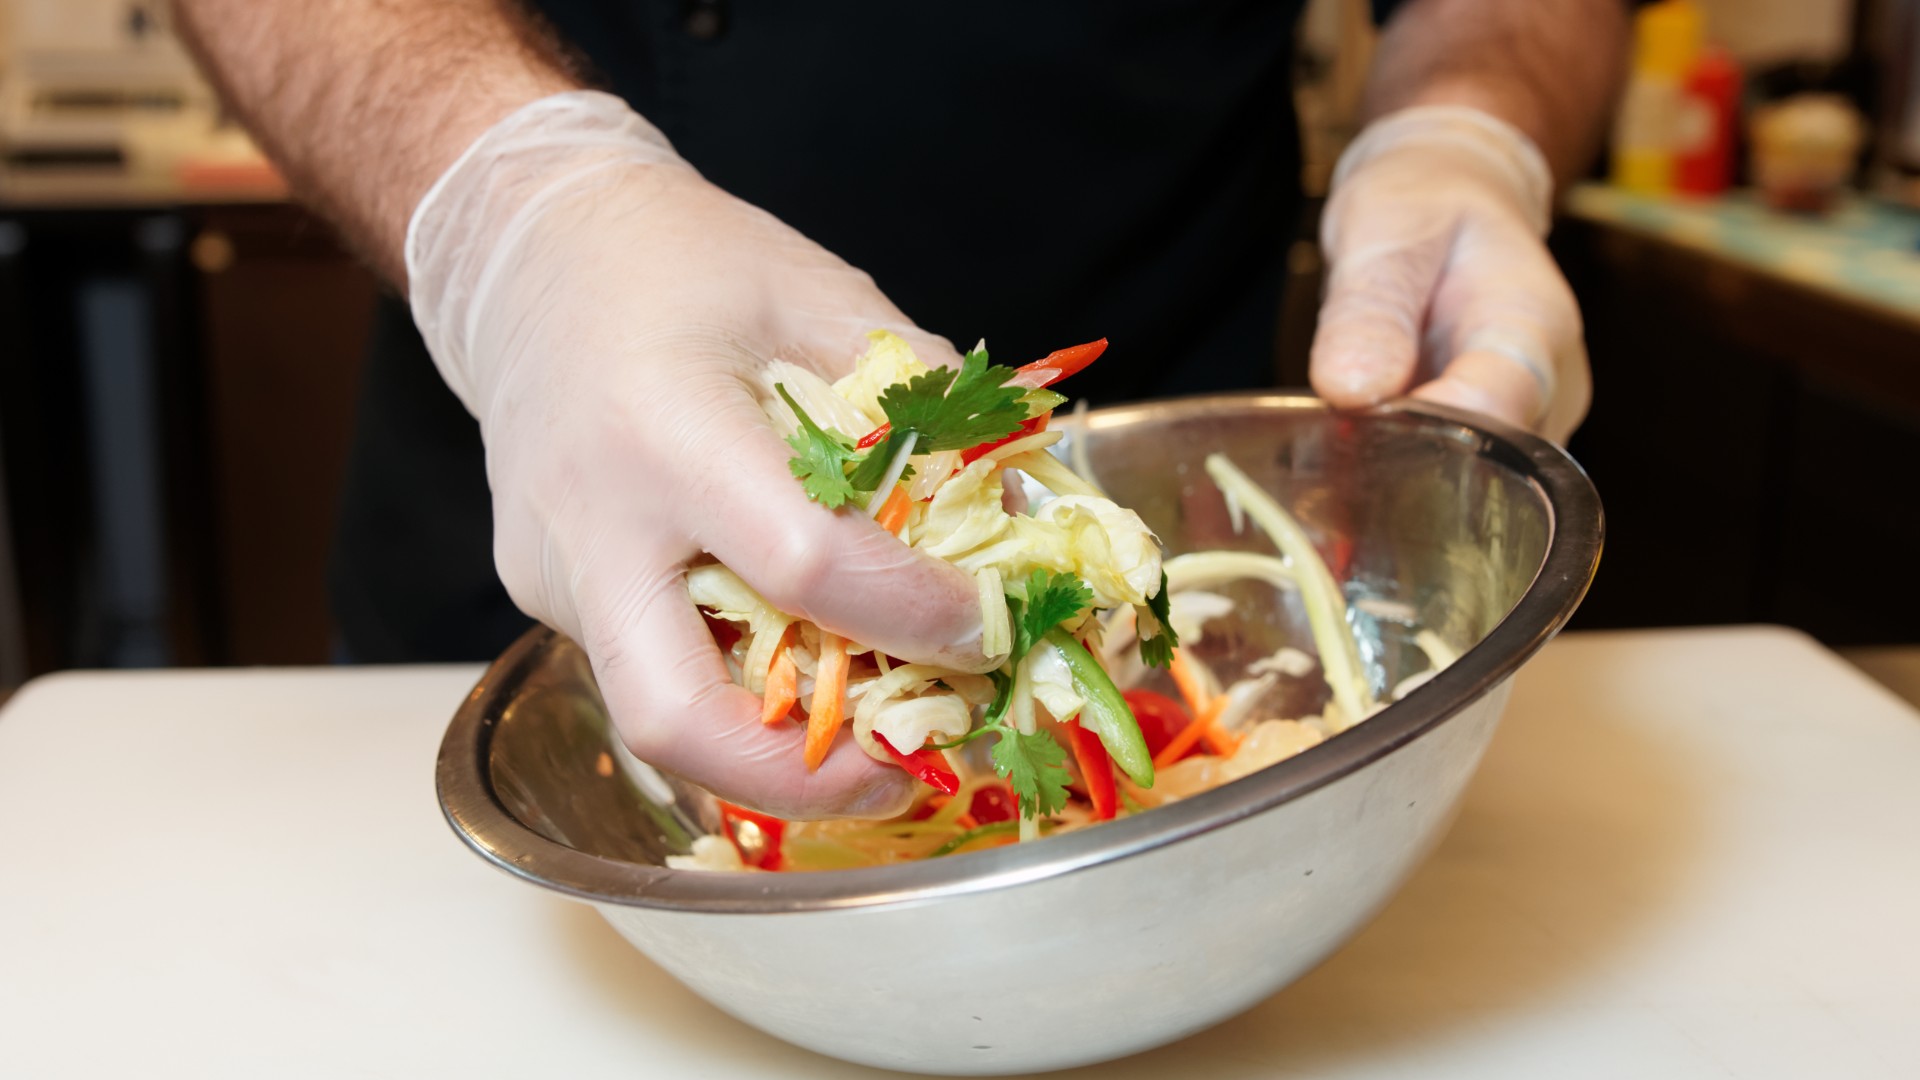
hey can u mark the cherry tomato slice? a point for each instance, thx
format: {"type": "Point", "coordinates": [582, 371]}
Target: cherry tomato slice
{"type": "Point", "coordinates": [1160, 717]}
{"type": "Point", "coordinates": [992, 803]}
{"type": "Point", "coordinates": [725, 634]}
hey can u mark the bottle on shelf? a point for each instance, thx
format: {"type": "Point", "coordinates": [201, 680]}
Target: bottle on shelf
{"type": "Point", "coordinates": [1666, 43]}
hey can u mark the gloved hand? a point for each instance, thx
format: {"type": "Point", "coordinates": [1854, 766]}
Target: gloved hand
{"type": "Point", "coordinates": [1439, 283]}
{"type": "Point", "coordinates": [602, 310]}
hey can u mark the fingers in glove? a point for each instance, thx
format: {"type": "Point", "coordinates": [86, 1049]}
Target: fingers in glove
{"type": "Point", "coordinates": [1490, 383]}
{"type": "Point", "coordinates": [826, 326]}
{"type": "Point", "coordinates": [836, 567]}
{"type": "Point", "coordinates": [669, 693]}
{"type": "Point", "coordinates": [1499, 385]}
{"type": "Point", "coordinates": [1511, 346]}
{"type": "Point", "coordinates": [1366, 348]}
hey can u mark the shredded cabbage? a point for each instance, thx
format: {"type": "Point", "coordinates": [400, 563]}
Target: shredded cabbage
{"type": "Point", "coordinates": [721, 591]}
{"type": "Point", "coordinates": [1053, 683]}
{"type": "Point", "coordinates": [1189, 612]}
{"type": "Point", "coordinates": [1112, 549]}
{"type": "Point", "coordinates": [1326, 605]}
{"type": "Point", "coordinates": [1207, 569]}
{"type": "Point", "coordinates": [904, 681]}
{"type": "Point", "coordinates": [996, 629]}
{"type": "Point", "coordinates": [1105, 545]}
{"type": "Point", "coordinates": [888, 360]}
{"type": "Point", "coordinates": [1076, 547]}
{"type": "Point", "coordinates": [814, 394]}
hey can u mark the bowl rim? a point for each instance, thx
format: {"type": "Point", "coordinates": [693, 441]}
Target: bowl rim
{"type": "Point", "coordinates": [1575, 534]}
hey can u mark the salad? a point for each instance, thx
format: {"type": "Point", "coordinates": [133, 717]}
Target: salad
{"type": "Point", "coordinates": [1080, 614]}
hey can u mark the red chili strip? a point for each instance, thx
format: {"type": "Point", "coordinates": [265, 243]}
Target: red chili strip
{"type": "Point", "coordinates": [926, 766]}
{"type": "Point", "coordinates": [1045, 371]}
{"type": "Point", "coordinates": [1096, 767]}
{"type": "Point", "coordinates": [1058, 365]}
{"type": "Point", "coordinates": [1027, 427]}
{"type": "Point", "coordinates": [771, 828]}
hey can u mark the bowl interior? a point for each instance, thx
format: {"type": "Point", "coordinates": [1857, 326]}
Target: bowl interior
{"type": "Point", "coordinates": [1433, 522]}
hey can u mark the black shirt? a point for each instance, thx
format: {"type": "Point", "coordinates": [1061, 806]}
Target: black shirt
{"type": "Point", "coordinates": [1038, 174]}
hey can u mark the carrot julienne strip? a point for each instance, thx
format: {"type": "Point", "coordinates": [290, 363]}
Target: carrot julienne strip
{"type": "Point", "coordinates": [783, 688]}
{"type": "Point", "coordinates": [893, 513]}
{"type": "Point", "coordinates": [1190, 734]}
{"type": "Point", "coordinates": [1219, 740]}
{"type": "Point", "coordinates": [1188, 680]}
{"type": "Point", "coordinates": [829, 708]}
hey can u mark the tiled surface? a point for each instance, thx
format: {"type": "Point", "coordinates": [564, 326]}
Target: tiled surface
{"type": "Point", "coordinates": [1867, 251]}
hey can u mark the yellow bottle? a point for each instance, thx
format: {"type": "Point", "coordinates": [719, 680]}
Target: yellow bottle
{"type": "Point", "coordinates": [1666, 42]}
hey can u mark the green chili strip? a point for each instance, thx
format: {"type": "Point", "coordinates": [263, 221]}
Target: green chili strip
{"type": "Point", "coordinates": [1106, 713]}
{"type": "Point", "coordinates": [998, 828]}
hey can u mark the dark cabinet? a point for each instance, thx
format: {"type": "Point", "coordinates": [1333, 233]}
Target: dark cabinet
{"type": "Point", "coordinates": [284, 316]}
{"type": "Point", "coordinates": [1756, 442]}
{"type": "Point", "coordinates": [176, 388]}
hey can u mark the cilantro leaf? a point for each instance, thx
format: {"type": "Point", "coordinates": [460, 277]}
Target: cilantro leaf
{"type": "Point", "coordinates": [996, 713]}
{"type": "Point", "coordinates": [955, 410]}
{"type": "Point", "coordinates": [1052, 598]}
{"type": "Point", "coordinates": [943, 409]}
{"type": "Point", "coordinates": [1036, 765]}
{"type": "Point", "coordinates": [821, 457]}
{"type": "Point", "coordinates": [873, 467]}
{"type": "Point", "coordinates": [1157, 651]}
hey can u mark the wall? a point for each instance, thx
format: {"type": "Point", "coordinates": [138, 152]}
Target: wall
{"type": "Point", "coordinates": [84, 26]}
{"type": "Point", "coordinates": [68, 24]}
{"type": "Point", "coordinates": [1768, 31]}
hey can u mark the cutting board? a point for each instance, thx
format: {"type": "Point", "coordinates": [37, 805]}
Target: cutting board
{"type": "Point", "coordinates": [1688, 854]}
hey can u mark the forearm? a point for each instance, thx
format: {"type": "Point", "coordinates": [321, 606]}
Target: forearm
{"type": "Point", "coordinates": [1549, 67]}
{"type": "Point", "coordinates": [363, 103]}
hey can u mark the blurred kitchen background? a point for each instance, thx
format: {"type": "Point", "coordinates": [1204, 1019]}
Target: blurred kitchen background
{"type": "Point", "coordinates": [179, 345]}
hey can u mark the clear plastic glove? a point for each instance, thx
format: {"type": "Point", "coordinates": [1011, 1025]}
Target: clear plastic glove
{"type": "Point", "coordinates": [1439, 283]}
{"type": "Point", "coordinates": [602, 310]}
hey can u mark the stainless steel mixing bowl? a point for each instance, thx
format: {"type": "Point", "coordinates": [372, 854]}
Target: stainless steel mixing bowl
{"type": "Point", "coordinates": [1107, 941]}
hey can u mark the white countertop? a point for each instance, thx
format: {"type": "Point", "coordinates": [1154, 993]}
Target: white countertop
{"type": "Point", "coordinates": [1688, 854]}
